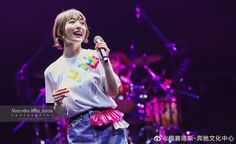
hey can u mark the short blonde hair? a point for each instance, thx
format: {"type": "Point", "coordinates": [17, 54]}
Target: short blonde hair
{"type": "Point", "coordinates": [59, 26]}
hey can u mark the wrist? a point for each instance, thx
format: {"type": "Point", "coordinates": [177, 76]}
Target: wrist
{"type": "Point", "coordinates": [106, 64]}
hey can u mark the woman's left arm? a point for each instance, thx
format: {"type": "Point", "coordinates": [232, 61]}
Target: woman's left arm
{"type": "Point", "coordinates": [112, 81]}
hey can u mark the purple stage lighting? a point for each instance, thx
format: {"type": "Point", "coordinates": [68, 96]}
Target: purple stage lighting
{"type": "Point", "coordinates": [138, 12]}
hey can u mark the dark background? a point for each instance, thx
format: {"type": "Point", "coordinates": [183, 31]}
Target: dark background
{"type": "Point", "coordinates": [204, 32]}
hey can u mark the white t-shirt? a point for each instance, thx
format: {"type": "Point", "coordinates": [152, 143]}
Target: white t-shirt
{"type": "Point", "coordinates": [84, 76]}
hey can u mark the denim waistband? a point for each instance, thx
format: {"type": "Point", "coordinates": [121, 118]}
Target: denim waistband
{"type": "Point", "coordinates": [80, 115]}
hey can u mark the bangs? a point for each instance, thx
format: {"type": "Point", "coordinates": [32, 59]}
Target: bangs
{"type": "Point", "coordinates": [74, 14]}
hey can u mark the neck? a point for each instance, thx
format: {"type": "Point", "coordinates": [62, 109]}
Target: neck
{"type": "Point", "coordinates": [71, 49]}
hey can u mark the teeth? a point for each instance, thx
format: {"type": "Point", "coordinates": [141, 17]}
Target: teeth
{"type": "Point", "coordinates": [78, 33]}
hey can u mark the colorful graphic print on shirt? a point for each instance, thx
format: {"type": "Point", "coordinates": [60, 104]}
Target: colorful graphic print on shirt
{"type": "Point", "coordinates": [75, 75]}
{"type": "Point", "coordinates": [91, 62]}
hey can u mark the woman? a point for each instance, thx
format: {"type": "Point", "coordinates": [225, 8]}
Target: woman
{"type": "Point", "coordinates": [82, 86]}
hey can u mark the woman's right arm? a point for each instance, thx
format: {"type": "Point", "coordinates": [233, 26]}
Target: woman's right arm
{"type": "Point", "coordinates": [54, 95]}
{"type": "Point", "coordinates": [58, 96]}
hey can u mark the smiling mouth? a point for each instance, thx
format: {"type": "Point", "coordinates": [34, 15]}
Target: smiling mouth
{"type": "Point", "coordinates": [78, 33]}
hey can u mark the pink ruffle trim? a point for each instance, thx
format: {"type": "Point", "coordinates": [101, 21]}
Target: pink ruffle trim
{"type": "Point", "coordinates": [107, 116]}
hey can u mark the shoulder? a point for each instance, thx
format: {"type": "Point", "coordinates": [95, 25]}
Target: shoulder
{"type": "Point", "coordinates": [53, 67]}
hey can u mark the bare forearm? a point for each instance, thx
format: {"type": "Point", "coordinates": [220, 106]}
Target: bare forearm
{"type": "Point", "coordinates": [111, 84]}
{"type": "Point", "coordinates": [60, 109]}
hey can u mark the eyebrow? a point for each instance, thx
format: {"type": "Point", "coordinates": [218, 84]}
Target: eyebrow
{"type": "Point", "coordinates": [71, 19]}
{"type": "Point", "coordinates": [80, 18]}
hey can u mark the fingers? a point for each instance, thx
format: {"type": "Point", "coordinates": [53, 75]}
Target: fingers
{"type": "Point", "coordinates": [62, 89]}
{"type": "Point", "coordinates": [59, 94]}
{"type": "Point", "coordinates": [62, 92]}
{"type": "Point", "coordinates": [58, 99]}
{"type": "Point", "coordinates": [102, 45]}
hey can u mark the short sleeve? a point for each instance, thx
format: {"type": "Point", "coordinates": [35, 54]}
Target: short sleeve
{"type": "Point", "coordinates": [49, 87]}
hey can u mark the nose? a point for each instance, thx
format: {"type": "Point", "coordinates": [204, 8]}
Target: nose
{"type": "Point", "coordinates": [78, 25]}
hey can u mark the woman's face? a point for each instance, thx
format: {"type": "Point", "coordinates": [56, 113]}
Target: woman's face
{"type": "Point", "coordinates": [75, 30]}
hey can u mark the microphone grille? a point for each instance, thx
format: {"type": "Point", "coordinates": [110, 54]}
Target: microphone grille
{"type": "Point", "coordinates": [97, 39]}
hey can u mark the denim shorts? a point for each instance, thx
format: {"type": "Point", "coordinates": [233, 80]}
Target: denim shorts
{"type": "Point", "coordinates": [80, 131]}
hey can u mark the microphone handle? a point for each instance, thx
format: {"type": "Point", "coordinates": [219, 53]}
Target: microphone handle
{"type": "Point", "coordinates": [103, 55]}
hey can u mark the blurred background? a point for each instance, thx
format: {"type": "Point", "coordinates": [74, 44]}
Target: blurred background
{"type": "Point", "coordinates": [189, 44]}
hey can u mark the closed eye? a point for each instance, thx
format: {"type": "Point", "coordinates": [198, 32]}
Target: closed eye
{"type": "Point", "coordinates": [71, 21]}
{"type": "Point", "coordinates": [82, 22]}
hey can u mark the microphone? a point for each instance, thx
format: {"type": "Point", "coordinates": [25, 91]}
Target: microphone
{"type": "Point", "coordinates": [103, 54]}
